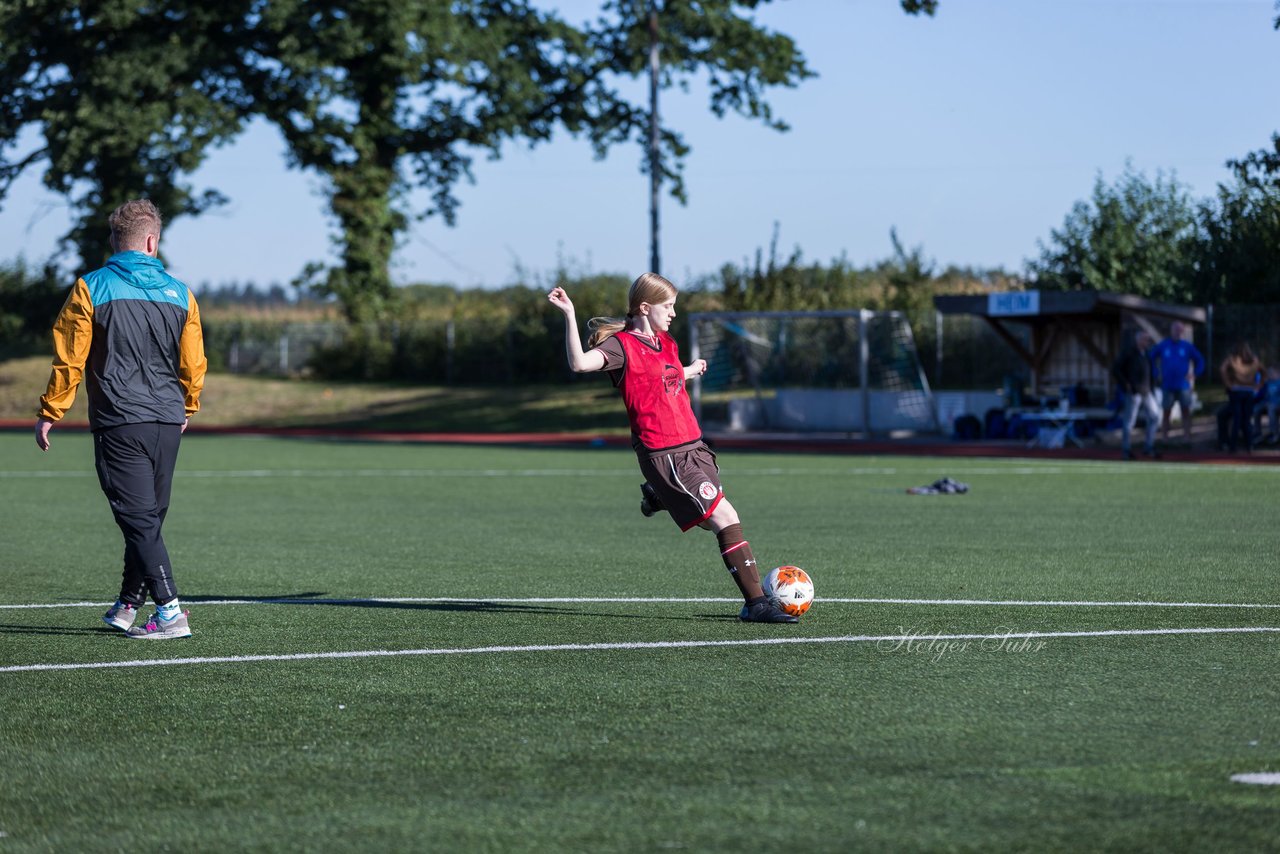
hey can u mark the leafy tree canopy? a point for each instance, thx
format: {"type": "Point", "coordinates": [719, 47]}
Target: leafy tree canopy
{"type": "Point", "coordinates": [1261, 166]}
{"type": "Point", "coordinates": [379, 97]}
{"type": "Point", "coordinates": [1135, 236]}
{"type": "Point", "coordinates": [1241, 255]}
{"type": "Point", "coordinates": [128, 97]}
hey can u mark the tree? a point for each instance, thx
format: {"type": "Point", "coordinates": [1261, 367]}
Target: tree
{"type": "Point", "coordinates": [379, 97]}
{"type": "Point", "coordinates": [1261, 164]}
{"type": "Point", "coordinates": [128, 98]}
{"type": "Point", "coordinates": [382, 96]}
{"type": "Point", "coordinates": [1242, 230]}
{"type": "Point", "coordinates": [29, 301]}
{"type": "Point", "coordinates": [1241, 255]}
{"type": "Point", "coordinates": [686, 36]}
{"type": "Point", "coordinates": [909, 277]}
{"type": "Point", "coordinates": [1137, 237]}
{"type": "Point", "coordinates": [675, 40]}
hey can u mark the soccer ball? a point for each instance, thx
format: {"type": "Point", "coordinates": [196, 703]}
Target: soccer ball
{"type": "Point", "coordinates": [790, 588]}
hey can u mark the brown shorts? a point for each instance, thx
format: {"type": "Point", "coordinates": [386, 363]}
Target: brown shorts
{"type": "Point", "coordinates": [687, 481]}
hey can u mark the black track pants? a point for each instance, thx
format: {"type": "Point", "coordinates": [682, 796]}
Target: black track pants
{"type": "Point", "coordinates": [135, 468]}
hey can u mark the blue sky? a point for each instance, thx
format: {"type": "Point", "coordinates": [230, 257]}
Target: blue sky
{"type": "Point", "coordinates": [972, 133]}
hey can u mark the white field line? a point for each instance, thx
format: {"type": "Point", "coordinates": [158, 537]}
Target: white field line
{"type": "Point", "coordinates": [675, 600]}
{"type": "Point", "coordinates": [1083, 467]}
{"type": "Point", "coordinates": [899, 639]}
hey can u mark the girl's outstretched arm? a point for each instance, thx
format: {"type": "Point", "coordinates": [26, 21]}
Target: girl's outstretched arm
{"type": "Point", "coordinates": [697, 369]}
{"type": "Point", "coordinates": [579, 361]}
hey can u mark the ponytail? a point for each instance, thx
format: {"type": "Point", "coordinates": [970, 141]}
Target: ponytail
{"type": "Point", "coordinates": [602, 328]}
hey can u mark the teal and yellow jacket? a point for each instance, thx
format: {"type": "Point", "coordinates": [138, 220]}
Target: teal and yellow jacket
{"type": "Point", "coordinates": [133, 331]}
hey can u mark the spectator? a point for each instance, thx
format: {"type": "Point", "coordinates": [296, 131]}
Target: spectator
{"type": "Point", "coordinates": [1132, 371]}
{"type": "Point", "coordinates": [1242, 377]}
{"type": "Point", "coordinates": [1176, 363]}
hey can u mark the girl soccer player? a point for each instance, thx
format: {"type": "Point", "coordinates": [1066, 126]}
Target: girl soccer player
{"type": "Point", "coordinates": [680, 471]}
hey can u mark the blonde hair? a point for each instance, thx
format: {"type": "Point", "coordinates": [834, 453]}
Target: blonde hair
{"type": "Point", "coordinates": [650, 288]}
{"type": "Point", "coordinates": [132, 222]}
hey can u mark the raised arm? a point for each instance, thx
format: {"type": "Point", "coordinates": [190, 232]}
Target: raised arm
{"type": "Point", "coordinates": [579, 361]}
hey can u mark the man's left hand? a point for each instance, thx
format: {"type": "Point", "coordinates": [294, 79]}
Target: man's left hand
{"type": "Point", "coordinates": [43, 426]}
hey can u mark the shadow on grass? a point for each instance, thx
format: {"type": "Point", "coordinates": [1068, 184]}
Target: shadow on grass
{"type": "Point", "coordinates": [478, 606]}
{"type": "Point", "coordinates": [499, 409]}
{"type": "Point", "coordinates": [475, 606]}
{"type": "Point", "coordinates": [10, 629]}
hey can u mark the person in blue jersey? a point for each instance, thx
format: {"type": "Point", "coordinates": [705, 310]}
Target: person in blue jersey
{"type": "Point", "coordinates": [132, 333]}
{"type": "Point", "coordinates": [1175, 363]}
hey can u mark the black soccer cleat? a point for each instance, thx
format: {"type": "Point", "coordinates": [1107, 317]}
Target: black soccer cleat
{"type": "Point", "coordinates": [649, 501]}
{"type": "Point", "coordinates": [765, 612]}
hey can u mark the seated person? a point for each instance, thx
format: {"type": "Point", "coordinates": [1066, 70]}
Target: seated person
{"type": "Point", "coordinates": [1268, 402]}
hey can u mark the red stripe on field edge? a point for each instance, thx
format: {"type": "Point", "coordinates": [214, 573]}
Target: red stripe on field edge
{"type": "Point", "coordinates": [791, 443]}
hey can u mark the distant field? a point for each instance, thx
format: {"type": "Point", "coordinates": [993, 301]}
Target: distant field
{"type": "Point", "coordinates": [406, 647]}
{"type": "Point", "coordinates": [586, 404]}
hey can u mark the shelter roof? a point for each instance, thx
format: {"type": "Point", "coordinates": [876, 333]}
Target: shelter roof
{"type": "Point", "coordinates": [1026, 306]}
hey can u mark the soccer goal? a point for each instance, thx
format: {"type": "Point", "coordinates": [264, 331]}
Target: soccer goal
{"type": "Point", "coordinates": [851, 371]}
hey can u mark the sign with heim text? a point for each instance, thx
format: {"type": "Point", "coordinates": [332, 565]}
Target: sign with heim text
{"type": "Point", "coordinates": [1013, 303]}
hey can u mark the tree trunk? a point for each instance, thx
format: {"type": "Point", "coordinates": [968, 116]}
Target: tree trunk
{"type": "Point", "coordinates": [364, 196]}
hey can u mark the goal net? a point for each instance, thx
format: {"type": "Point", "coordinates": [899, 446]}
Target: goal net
{"type": "Point", "coordinates": [809, 371]}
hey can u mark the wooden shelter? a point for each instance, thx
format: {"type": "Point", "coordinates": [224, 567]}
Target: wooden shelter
{"type": "Point", "coordinates": [1074, 336]}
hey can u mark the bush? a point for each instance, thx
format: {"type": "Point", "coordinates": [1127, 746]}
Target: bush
{"type": "Point", "coordinates": [29, 302]}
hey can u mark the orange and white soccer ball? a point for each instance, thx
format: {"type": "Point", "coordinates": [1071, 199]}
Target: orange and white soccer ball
{"type": "Point", "coordinates": [790, 588]}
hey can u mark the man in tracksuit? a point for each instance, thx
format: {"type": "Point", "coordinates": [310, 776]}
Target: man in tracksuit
{"type": "Point", "coordinates": [1176, 363]}
{"type": "Point", "coordinates": [133, 333]}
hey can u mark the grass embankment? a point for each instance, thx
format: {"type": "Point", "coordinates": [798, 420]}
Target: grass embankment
{"type": "Point", "coordinates": [229, 400]}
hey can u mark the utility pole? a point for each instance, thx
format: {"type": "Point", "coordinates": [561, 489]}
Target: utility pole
{"type": "Point", "coordinates": [655, 170]}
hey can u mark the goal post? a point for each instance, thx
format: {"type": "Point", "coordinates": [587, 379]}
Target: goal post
{"type": "Point", "coordinates": [837, 371]}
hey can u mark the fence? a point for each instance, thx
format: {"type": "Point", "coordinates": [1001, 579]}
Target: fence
{"type": "Point", "coordinates": [840, 370]}
{"type": "Point", "coordinates": [961, 351]}
{"type": "Point", "coordinates": [956, 351]}
{"type": "Point", "coordinates": [439, 352]}
{"type": "Point", "coordinates": [1259, 325]}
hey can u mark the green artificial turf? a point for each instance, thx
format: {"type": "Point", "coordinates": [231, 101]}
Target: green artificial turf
{"type": "Point", "coordinates": [505, 730]}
